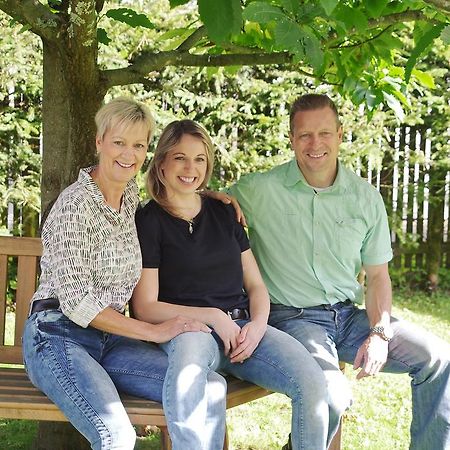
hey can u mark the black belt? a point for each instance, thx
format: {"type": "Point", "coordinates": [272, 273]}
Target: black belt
{"type": "Point", "coordinates": [44, 304]}
{"type": "Point", "coordinates": [238, 314]}
{"type": "Point", "coordinates": [327, 306]}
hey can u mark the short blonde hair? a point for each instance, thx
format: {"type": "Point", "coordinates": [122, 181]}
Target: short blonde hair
{"type": "Point", "coordinates": [171, 136]}
{"type": "Point", "coordinates": [123, 112]}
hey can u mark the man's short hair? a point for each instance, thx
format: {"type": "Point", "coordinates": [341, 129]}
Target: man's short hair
{"type": "Point", "coordinates": [309, 102]}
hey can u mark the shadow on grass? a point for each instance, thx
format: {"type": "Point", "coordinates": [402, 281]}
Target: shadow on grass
{"type": "Point", "coordinates": [20, 434]}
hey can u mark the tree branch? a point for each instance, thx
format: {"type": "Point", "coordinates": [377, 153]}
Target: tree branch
{"type": "Point", "coordinates": [190, 42]}
{"type": "Point", "coordinates": [400, 17]}
{"type": "Point", "coordinates": [365, 41]}
{"type": "Point", "coordinates": [149, 62]}
{"type": "Point", "coordinates": [443, 5]}
{"type": "Point", "coordinates": [35, 15]}
{"type": "Point", "coordinates": [383, 21]}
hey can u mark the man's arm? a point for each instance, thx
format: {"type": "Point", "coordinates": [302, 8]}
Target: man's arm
{"type": "Point", "coordinates": [372, 354]}
{"type": "Point", "coordinates": [227, 199]}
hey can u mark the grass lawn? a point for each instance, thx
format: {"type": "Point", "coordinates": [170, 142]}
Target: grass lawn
{"type": "Point", "coordinates": [378, 420]}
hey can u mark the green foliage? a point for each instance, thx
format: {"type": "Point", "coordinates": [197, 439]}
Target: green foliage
{"type": "Point", "coordinates": [20, 122]}
{"type": "Point", "coordinates": [130, 17]}
{"type": "Point", "coordinates": [222, 19]}
{"type": "Point", "coordinates": [422, 45]}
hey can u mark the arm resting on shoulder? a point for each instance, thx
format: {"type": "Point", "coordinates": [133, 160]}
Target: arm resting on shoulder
{"type": "Point", "coordinates": [227, 199]}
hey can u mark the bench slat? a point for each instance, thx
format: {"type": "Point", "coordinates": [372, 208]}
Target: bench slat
{"type": "Point", "coordinates": [16, 246]}
{"type": "Point", "coordinates": [19, 399]}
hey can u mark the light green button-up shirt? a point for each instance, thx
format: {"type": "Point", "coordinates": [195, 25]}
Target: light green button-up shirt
{"type": "Point", "coordinates": [310, 246]}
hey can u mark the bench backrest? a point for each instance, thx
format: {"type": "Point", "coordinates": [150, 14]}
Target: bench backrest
{"type": "Point", "coordinates": [27, 251]}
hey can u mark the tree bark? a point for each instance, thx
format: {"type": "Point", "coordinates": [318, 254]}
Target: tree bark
{"type": "Point", "coordinates": [72, 93]}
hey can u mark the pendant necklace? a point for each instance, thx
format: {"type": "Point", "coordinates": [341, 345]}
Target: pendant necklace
{"type": "Point", "coordinates": [191, 225]}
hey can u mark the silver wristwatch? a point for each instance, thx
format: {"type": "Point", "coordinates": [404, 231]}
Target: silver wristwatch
{"type": "Point", "coordinates": [385, 333]}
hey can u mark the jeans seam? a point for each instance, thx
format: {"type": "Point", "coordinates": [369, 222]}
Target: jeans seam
{"type": "Point", "coordinates": [298, 389]}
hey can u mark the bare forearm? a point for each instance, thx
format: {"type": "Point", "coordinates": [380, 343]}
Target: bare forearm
{"type": "Point", "coordinates": [379, 300]}
{"type": "Point", "coordinates": [158, 311]}
{"type": "Point", "coordinates": [259, 304]}
{"type": "Point", "coordinates": [114, 322]}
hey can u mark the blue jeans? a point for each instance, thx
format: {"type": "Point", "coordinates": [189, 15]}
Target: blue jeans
{"type": "Point", "coordinates": [336, 332]}
{"type": "Point", "coordinates": [279, 363]}
{"type": "Point", "coordinates": [82, 369]}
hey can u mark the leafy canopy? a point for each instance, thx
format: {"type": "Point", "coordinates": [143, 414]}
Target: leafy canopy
{"type": "Point", "coordinates": [351, 45]}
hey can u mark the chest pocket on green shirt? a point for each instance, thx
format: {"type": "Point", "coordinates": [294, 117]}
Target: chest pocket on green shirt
{"type": "Point", "coordinates": [349, 236]}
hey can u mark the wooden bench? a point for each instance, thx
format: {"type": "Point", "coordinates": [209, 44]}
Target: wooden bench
{"type": "Point", "coordinates": [19, 399]}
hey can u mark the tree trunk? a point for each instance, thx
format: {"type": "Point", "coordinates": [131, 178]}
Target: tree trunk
{"type": "Point", "coordinates": [60, 436]}
{"type": "Point", "coordinates": [72, 93]}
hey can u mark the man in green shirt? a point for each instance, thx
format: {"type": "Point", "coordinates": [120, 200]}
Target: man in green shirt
{"type": "Point", "coordinates": [313, 226]}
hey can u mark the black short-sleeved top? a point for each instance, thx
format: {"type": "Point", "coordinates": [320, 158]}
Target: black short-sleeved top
{"type": "Point", "coordinates": [199, 269]}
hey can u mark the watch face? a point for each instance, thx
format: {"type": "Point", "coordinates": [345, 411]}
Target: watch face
{"type": "Point", "coordinates": [388, 332]}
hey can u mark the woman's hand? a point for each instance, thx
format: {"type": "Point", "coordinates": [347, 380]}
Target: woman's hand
{"type": "Point", "coordinates": [227, 329]}
{"type": "Point", "coordinates": [228, 199]}
{"type": "Point", "coordinates": [249, 338]}
{"type": "Point", "coordinates": [165, 331]}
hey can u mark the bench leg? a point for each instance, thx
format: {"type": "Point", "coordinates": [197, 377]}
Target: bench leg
{"type": "Point", "coordinates": [335, 443]}
{"type": "Point", "coordinates": [226, 442]}
{"type": "Point", "coordinates": [166, 443]}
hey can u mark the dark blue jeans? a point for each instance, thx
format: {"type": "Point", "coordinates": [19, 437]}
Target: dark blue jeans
{"type": "Point", "coordinates": [336, 333]}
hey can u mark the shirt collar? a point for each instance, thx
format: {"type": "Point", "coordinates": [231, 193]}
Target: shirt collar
{"type": "Point", "coordinates": [130, 195]}
{"type": "Point", "coordinates": [294, 175]}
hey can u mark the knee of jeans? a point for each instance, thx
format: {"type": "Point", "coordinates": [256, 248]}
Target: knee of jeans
{"type": "Point", "coordinates": [216, 387]}
{"type": "Point", "coordinates": [340, 399]}
{"type": "Point", "coordinates": [122, 437]}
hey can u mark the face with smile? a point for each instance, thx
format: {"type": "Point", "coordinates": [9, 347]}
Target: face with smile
{"type": "Point", "coordinates": [315, 138]}
{"type": "Point", "coordinates": [122, 151]}
{"type": "Point", "coordinates": [185, 166]}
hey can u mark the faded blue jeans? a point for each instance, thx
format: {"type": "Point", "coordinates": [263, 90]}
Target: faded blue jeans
{"type": "Point", "coordinates": [82, 369]}
{"type": "Point", "coordinates": [333, 333]}
{"type": "Point", "coordinates": [279, 363]}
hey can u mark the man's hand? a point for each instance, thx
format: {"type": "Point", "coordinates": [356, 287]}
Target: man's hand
{"type": "Point", "coordinates": [167, 330]}
{"type": "Point", "coordinates": [228, 199]}
{"type": "Point", "coordinates": [371, 356]}
{"type": "Point", "coordinates": [249, 338]}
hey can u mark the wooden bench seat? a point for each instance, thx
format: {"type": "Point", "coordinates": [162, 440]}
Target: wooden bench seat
{"type": "Point", "coordinates": [19, 399]}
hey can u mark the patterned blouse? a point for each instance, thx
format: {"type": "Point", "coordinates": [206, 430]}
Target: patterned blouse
{"type": "Point", "coordinates": [91, 257]}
